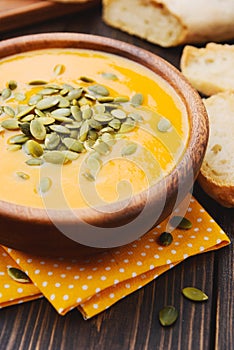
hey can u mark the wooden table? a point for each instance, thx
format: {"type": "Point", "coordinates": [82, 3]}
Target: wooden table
{"type": "Point", "coordinates": [133, 323]}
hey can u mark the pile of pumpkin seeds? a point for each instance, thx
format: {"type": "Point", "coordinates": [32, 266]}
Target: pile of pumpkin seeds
{"type": "Point", "coordinates": [60, 121]}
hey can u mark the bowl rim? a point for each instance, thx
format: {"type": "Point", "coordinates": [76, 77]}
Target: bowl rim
{"type": "Point", "coordinates": [196, 112]}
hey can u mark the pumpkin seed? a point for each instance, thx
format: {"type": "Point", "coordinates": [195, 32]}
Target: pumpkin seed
{"type": "Point", "coordinates": [76, 113]}
{"type": "Point", "coordinates": [37, 82]}
{"type": "Point", "coordinates": [25, 128]}
{"type": "Point", "coordinates": [84, 130]}
{"type": "Point", "coordinates": [105, 99]}
{"type": "Point", "coordinates": [37, 129]}
{"type": "Point", "coordinates": [48, 91]}
{"type": "Point", "coordinates": [106, 129]}
{"type": "Point", "coordinates": [63, 102]}
{"type": "Point", "coordinates": [90, 97]}
{"type": "Point", "coordinates": [67, 87]}
{"type": "Point", "coordinates": [9, 111]}
{"type": "Point", "coordinates": [10, 124]}
{"type": "Point", "coordinates": [88, 144]}
{"type": "Point", "coordinates": [99, 109]}
{"type": "Point", "coordinates": [62, 119]}
{"type": "Point", "coordinates": [95, 124]}
{"type": "Point", "coordinates": [6, 93]}
{"type": "Point", "coordinates": [34, 161]}
{"type": "Point", "coordinates": [137, 99]}
{"type": "Point", "coordinates": [119, 114]}
{"type": "Point", "coordinates": [99, 90]}
{"type": "Point", "coordinates": [34, 99]}
{"type": "Point", "coordinates": [93, 164]}
{"type": "Point", "coordinates": [103, 118]}
{"type": "Point", "coordinates": [19, 96]}
{"type": "Point", "coordinates": [60, 129]}
{"type": "Point", "coordinates": [59, 69]}
{"type": "Point", "coordinates": [165, 239]}
{"type": "Point", "coordinates": [121, 99]}
{"type": "Point", "coordinates": [47, 120]}
{"type": "Point", "coordinates": [73, 145]}
{"type": "Point", "coordinates": [88, 176]}
{"type": "Point", "coordinates": [63, 112]}
{"type": "Point", "coordinates": [115, 124]}
{"type": "Point", "coordinates": [12, 85]}
{"type": "Point", "coordinates": [70, 155]}
{"type": "Point", "coordinates": [164, 125]}
{"type": "Point", "coordinates": [109, 76]}
{"type": "Point", "coordinates": [54, 86]}
{"type": "Point", "coordinates": [108, 138]}
{"type": "Point", "coordinates": [135, 116]}
{"type": "Point", "coordinates": [44, 185]}
{"type": "Point", "coordinates": [74, 94]}
{"type": "Point", "coordinates": [25, 111]}
{"type": "Point", "coordinates": [28, 118]}
{"type": "Point", "coordinates": [102, 148]}
{"type": "Point", "coordinates": [129, 149]}
{"type": "Point", "coordinates": [47, 102]}
{"type": "Point", "coordinates": [86, 112]}
{"type": "Point", "coordinates": [168, 315]}
{"type": "Point", "coordinates": [17, 139]}
{"type": "Point", "coordinates": [14, 148]}
{"type": "Point", "coordinates": [127, 127]}
{"type": "Point", "coordinates": [86, 79]}
{"type": "Point", "coordinates": [39, 113]}
{"type": "Point", "coordinates": [73, 125]}
{"type": "Point", "coordinates": [22, 175]}
{"type": "Point", "coordinates": [52, 141]}
{"type": "Point", "coordinates": [92, 134]}
{"type": "Point", "coordinates": [33, 148]}
{"type": "Point", "coordinates": [55, 157]}
{"type": "Point", "coordinates": [18, 275]}
{"type": "Point", "coordinates": [181, 222]}
{"type": "Point", "coordinates": [194, 294]}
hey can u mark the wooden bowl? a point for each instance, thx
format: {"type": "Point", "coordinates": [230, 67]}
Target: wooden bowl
{"type": "Point", "coordinates": [31, 230]}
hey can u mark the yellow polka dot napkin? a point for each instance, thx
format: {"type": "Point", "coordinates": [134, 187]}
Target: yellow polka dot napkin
{"type": "Point", "coordinates": [95, 283]}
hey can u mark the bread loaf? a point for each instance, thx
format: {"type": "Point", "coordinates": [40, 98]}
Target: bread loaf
{"type": "Point", "coordinates": [217, 172]}
{"type": "Point", "coordinates": [172, 22]}
{"type": "Point", "coordinates": [210, 69]}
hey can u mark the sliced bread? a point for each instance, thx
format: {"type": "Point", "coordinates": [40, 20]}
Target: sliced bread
{"type": "Point", "coordinates": [172, 22]}
{"type": "Point", "coordinates": [210, 69]}
{"type": "Point", "coordinates": [217, 172]}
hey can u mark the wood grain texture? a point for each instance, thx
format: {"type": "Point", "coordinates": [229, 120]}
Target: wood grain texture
{"type": "Point", "coordinates": [18, 13]}
{"type": "Point", "coordinates": [133, 323]}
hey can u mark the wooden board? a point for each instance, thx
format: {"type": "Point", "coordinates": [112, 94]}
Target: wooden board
{"type": "Point", "coordinates": [19, 13]}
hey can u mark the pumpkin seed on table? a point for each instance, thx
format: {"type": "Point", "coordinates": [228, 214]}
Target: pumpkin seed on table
{"type": "Point", "coordinates": [59, 69]}
{"type": "Point", "coordinates": [70, 155]}
{"type": "Point", "coordinates": [25, 111]}
{"type": "Point", "coordinates": [47, 120]}
{"type": "Point", "coordinates": [39, 113]}
{"type": "Point", "coordinates": [62, 112]}
{"type": "Point", "coordinates": [164, 125]}
{"type": "Point", "coordinates": [76, 113]}
{"type": "Point", "coordinates": [127, 127]}
{"type": "Point", "coordinates": [194, 294]}
{"type": "Point", "coordinates": [27, 118]}
{"type": "Point", "coordinates": [18, 275]}
{"type": "Point", "coordinates": [60, 129]}
{"type": "Point", "coordinates": [103, 118]}
{"type": "Point", "coordinates": [121, 99]}
{"type": "Point", "coordinates": [165, 239]}
{"type": "Point", "coordinates": [22, 175]}
{"type": "Point", "coordinates": [44, 185]}
{"type": "Point", "coordinates": [63, 102]}
{"type": "Point", "coordinates": [74, 94]}
{"type": "Point", "coordinates": [25, 128]}
{"type": "Point", "coordinates": [168, 315]}
{"type": "Point", "coordinates": [48, 91]}
{"type": "Point", "coordinates": [119, 114]}
{"type": "Point", "coordinates": [129, 149]}
{"type": "Point", "coordinates": [105, 99]}
{"type": "Point", "coordinates": [19, 96]}
{"type": "Point", "coordinates": [102, 147]}
{"type": "Point", "coordinates": [181, 223]}
{"type": "Point", "coordinates": [84, 130]}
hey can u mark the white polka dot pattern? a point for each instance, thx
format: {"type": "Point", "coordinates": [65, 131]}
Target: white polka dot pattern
{"type": "Point", "coordinates": [100, 281]}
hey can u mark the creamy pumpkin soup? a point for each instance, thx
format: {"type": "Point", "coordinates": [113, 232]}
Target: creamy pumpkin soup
{"type": "Point", "coordinates": [81, 128]}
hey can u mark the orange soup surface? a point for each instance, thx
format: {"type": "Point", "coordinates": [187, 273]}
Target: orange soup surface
{"type": "Point", "coordinates": [84, 128]}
